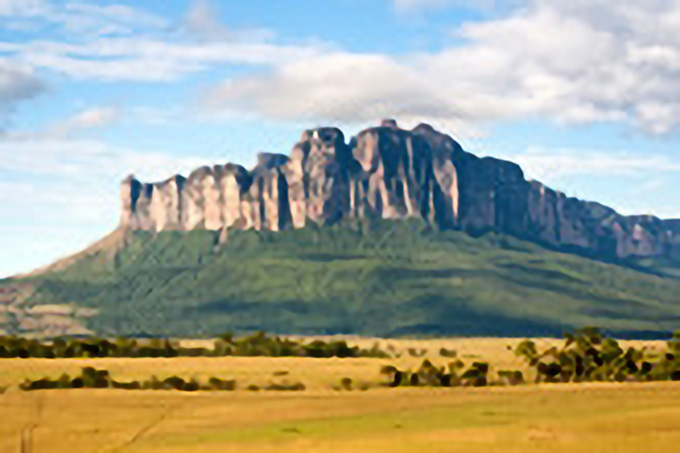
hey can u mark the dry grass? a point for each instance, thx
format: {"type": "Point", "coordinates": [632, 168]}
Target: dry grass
{"type": "Point", "coordinates": [559, 418]}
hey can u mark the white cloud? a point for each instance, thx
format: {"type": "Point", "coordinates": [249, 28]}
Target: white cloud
{"type": "Point", "coordinates": [120, 14]}
{"type": "Point", "coordinates": [18, 8]}
{"type": "Point", "coordinates": [117, 42]}
{"type": "Point", "coordinates": [573, 62]}
{"type": "Point", "coordinates": [77, 18]}
{"type": "Point", "coordinates": [147, 59]}
{"type": "Point", "coordinates": [336, 86]}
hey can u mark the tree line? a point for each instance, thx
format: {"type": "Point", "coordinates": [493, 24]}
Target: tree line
{"type": "Point", "coordinates": [257, 344]}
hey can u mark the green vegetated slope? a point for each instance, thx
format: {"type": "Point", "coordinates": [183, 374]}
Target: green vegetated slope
{"type": "Point", "coordinates": [396, 279]}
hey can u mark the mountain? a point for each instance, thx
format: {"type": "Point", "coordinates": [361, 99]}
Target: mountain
{"type": "Point", "coordinates": [390, 173]}
{"type": "Point", "coordinates": [394, 233]}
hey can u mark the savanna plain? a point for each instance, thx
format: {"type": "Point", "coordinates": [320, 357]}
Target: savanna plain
{"type": "Point", "coordinates": [327, 416]}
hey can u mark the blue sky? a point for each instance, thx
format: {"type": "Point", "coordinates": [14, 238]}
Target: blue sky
{"type": "Point", "coordinates": [583, 94]}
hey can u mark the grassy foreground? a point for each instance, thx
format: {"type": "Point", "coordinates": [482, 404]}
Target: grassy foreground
{"type": "Point", "coordinates": [556, 418]}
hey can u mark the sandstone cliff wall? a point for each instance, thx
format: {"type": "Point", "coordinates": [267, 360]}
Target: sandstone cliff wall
{"type": "Point", "coordinates": [390, 173]}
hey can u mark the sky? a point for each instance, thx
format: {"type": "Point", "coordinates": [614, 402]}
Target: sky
{"type": "Point", "coordinates": [583, 94]}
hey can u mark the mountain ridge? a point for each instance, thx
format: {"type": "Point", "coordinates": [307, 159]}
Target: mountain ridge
{"type": "Point", "coordinates": [390, 173]}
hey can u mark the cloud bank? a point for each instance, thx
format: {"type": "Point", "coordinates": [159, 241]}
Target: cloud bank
{"type": "Point", "coordinates": [572, 62]}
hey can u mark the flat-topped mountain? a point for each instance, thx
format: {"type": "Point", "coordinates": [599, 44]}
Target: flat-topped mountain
{"type": "Point", "coordinates": [390, 173]}
{"type": "Point", "coordinates": [392, 232]}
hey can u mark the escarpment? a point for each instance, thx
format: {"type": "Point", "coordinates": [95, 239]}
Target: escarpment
{"type": "Point", "coordinates": [390, 173]}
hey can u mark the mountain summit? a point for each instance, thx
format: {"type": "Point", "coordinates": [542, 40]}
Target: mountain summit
{"type": "Point", "coordinates": [390, 173]}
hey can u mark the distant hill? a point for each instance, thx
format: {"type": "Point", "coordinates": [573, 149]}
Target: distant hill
{"type": "Point", "coordinates": [395, 232]}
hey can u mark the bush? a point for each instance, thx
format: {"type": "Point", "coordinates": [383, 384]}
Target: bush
{"type": "Point", "coordinates": [393, 375]}
{"type": "Point", "coordinates": [134, 385]}
{"type": "Point", "coordinates": [507, 377]}
{"type": "Point", "coordinates": [219, 384]}
{"type": "Point", "coordinates": [174, 382]}
{"type": "Point", "coordinates": [449, 353]}
{"type": "Point", "coordinates": [346, 383]}
{"type": "Point", "coordinates": [64, 381]}
{"type": "Point", "coordinates": [191, 386]}
{"type": "Point", "coordinates": [280, 386]}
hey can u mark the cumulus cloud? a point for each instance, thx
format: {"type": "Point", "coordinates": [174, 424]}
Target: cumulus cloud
{"type": "Point", "coordinates": [573, 62]}
{"type": "Point", "coordinates": [336, 86]}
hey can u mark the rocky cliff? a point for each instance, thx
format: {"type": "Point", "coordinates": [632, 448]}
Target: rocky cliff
{"type": "Point", "coordinates": [390, 173]}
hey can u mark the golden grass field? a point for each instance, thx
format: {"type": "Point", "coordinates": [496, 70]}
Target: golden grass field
{"type": "Point", "coordinates": [602, 417]}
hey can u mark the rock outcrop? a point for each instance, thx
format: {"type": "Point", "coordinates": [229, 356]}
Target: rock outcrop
{"type": "Point", "coordinates": [390, 173]}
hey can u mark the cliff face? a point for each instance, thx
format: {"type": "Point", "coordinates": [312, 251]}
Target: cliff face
{"type": "Point", "coordinates": [390, 173]}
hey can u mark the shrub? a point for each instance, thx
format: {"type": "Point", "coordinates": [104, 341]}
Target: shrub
{"type": "Point", "coordinates": [449, 353]}
{"type": "Point", "coordinates": [393, 375]}
{"type": "Point", "coordinates": [285, 386]}
{"type": "Point", "coordinates": [346, 383]}
{"type": "Point", "coordinates": [40, 384]}
{"type": "Point", "coordinates": [219, 384]}
{"type": "Point", "coordinates": [476, 375]}
{"type": "Point", "coordinates": [191, 386]}
{"type": "Point", "coordinates": [174, 382]}
{"type": "Point", "coordinates": [507, 377]}
{"type": "Point", "coordinates": [134, 385]}
{"type": "Point", "coordinates": [64, 381]}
